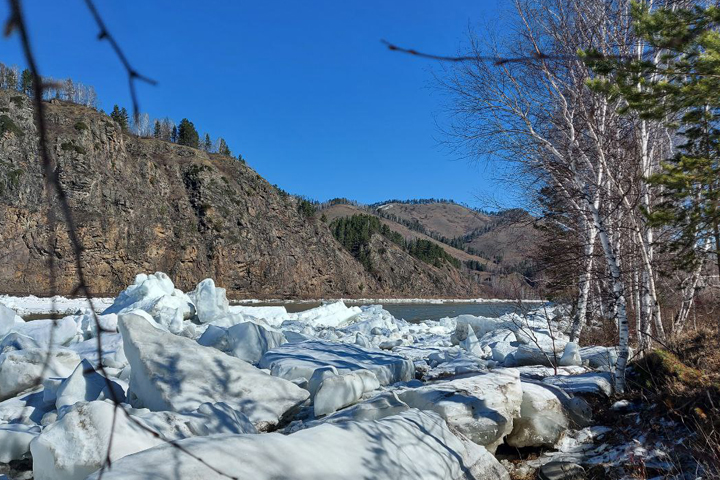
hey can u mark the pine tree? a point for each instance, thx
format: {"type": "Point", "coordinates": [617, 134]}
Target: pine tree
{"type": "Point", "coordinates": [207, 144]}
{"type": "Point", "coordinates": [11, 78]}
{"type": "Point", "coordinates": [223, 148]}
{"type": "Point", "coordinates": [174, 134]}
{"type": "Point", "coordinates": [680, 88]}
{"type": "Point", "coordinates": [157, 129]}
{"type": "Point", "coordinates": [120, 116]}
{"type": "Point", "coordinates": [26, 82]}
{"type": "Point", "coordinates": [187, 135]}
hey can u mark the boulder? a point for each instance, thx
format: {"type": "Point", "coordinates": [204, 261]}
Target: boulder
{"type": "Point", "coordinates": [412, 445]}
{"type": "Point", "coordinates": [170, 372]}
{"type": "Point", "coordinates": [542, 418]}
{"type": "Point", "coordinates": [295, 360]}
{"type": "Point", "coordinates": [482, 407]}
{"type": "Point", "coordinates": [22, 369]}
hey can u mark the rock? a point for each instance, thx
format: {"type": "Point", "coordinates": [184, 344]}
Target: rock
{"type": "Point", "coordinates": [561, 471]}
{"type": "Point", "coordinates": [412, 445]}
{"type": "Point", "coordinates": [174, 373]}
{"type": "Point", "coordinates": [482, 407]}
{"type": "Point", "coordinates": [21, 369]}
{"type": "Point", "coordinates": [15, 440]}
{"type": "Point", "coordinates": [249, 341]}
{"type": "Point", "coordinates": [86, 385]}
{"type": "Point", "coordinates": [338, 391]}
{"type": "Point", "coordinates": [294, 360]}
{"type": "Point", "coordinates": [542, 418]}
{"type": "Point", "coordinates": [570, 356]}
{"type": "Point", "coordinates": [76, 445]}
{"type": "Point", "coordinates": [210, 301]}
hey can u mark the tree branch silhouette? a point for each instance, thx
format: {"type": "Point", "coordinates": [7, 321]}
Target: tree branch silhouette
{"type": "Point", "coordinates": [54, 189]}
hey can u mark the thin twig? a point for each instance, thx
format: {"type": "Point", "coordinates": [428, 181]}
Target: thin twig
{"type": "Point", "coordinates": [133, 75]}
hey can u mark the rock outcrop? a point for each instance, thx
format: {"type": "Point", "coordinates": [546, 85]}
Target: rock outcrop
{"type": "Point", "coordinates": [145, 205]}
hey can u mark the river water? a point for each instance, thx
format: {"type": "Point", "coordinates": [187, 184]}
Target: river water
{"type": "Point", "coordinates": [416, 312]}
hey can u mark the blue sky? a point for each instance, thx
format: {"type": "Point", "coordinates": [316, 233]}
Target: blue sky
{"type": "Point", "coordinates": [304, 90]}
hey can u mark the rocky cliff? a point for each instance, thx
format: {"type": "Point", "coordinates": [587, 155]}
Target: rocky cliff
{"type": "Point", "coordinates": [144, 205]}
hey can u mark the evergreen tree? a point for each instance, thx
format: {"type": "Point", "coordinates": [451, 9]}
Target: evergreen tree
{"type": "Point", "coordinates": [187, 135]}
{"type": "Point", "coordinates": [11, 78]}
{"type": "Point", "coordinates": [157, 130]}
{"type": "Point", "coordinates": [681, 88]}
{"type": "Point", "coordinates": [207, 144]}
{"type": "Point", "coordinates": [120, 116]}
{"type": "Point", "coordinates": [223, 148]}
{"type": "Point", "coordinates": [26, 82]}
{"type": "Point", "coordinates": [174, 134]}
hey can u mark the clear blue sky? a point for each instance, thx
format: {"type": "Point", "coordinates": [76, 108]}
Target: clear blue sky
{"type": "Point", "coordinates": [304, 90]}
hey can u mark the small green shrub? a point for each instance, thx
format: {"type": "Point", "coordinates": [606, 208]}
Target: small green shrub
{"type": "Point", "coordinates": [7, 125]}
{"type": "Point", "coordinates": [80, 126]}
{"type": "Point", "coordinates": [71, 147]}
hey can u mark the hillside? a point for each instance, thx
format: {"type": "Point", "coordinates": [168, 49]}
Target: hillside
{"type": "Point", "coordinates": [143, 204]}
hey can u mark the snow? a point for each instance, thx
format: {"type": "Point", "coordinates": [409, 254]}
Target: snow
{"type": "Point", "coordinates": [113, 354]}
{"type": "Point", "coordinates": [173, 373]}
{"type": "Point", "coordinates": [571, 355]}
{"type": "Point", "coordinates": [412, 445]}
{"type": "Point", "coordinates": [32, 305]}
{"type": "Point", "coordinates": [294, 360]}
{"type": "Point", "coordinates": [15, 440]}
{"type": "Point", "coordinates": [49, 332]}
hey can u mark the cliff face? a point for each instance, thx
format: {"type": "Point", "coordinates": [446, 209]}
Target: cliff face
{"type": "Point", "coordinates": [144, 205]}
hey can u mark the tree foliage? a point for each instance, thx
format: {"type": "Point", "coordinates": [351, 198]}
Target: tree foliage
{"type": "Point", "coordinates": [187, 134]}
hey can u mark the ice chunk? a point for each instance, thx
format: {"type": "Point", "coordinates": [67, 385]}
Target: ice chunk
{"type": "Point", "coordinates": [15, 440]}
{"type": "Point", "coordinates": [249, 341]}
{"type": "Point", "coordinates": [50, 332]}
{"type": "Point", "coordinates": [76, 445]}
{"type": "Point", "coordinates": [156, 295]}
{"type": "Point", "coordinates": [328, 315]}
{"type": "Point", "coordinates": [412, 445]}
{"type": "Point", "coordinates": [294, 360]}
{"type": "Point", "coordinates": [338, 391]}
{"type": "Point", "coordinates": [8, 319]}
{"type": "Point", "coordinates": [86, 385]}
{"type": "Point", "coordinates": [113, 355]}
{"type": "Point", "coordinates": [174, 373]}
{"type": "Point", "coordinates": [16, 341]}
{"type": "Point", "coordinates": [595, 383]}
{"type": "Point", "coordinates": [21, 369]}
{"type": "Point", "coordinates": [482, 407]}
{"type": "Point", "coordinates": [542, 418]}
{"type": "Point", "coordinates": [571, 355]}
{"type": "Point", "coordinates": [210, 301]}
